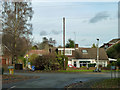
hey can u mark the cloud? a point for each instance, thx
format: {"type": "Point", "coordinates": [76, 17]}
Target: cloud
{"type": "Point", "coordinates": [84, 40]}
{"type": "Point", "coordinates": [54, 32]}
{"type": "Point", "coordinates": [43, 33]}
{"type": "Point", "coordinates": [99, 16]}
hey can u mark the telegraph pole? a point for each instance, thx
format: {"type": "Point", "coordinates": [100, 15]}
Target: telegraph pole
{"type": "Point", "coordinates": [64, 39]}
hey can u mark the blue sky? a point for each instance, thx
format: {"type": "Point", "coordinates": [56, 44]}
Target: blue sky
{"type": "Point", "coordinates": [85, 21]}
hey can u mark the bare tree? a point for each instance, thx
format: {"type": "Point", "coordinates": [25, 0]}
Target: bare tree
{"type": "Point", "coordinates": [16, 25]}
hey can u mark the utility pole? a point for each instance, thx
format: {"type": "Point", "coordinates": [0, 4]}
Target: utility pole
{"type": "Point", "coordinates": [64, 39]}
{"type": "Point", "coordinates": [97, 54]}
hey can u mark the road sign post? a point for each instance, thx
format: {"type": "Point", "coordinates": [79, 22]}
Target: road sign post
{"type": "Point", "coordinates": [11, 70]}
{"type": "Point", "coordinates": [114, 73]}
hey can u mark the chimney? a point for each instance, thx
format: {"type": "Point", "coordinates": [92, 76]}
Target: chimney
{"type": "Point", "coordinates": [76, 46]}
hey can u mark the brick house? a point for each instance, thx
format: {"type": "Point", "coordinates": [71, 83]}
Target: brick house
{"type": "Point", "coordinates": [5, 59]}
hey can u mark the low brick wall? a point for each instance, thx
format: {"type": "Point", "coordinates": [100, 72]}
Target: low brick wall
{"type": "Point", "coordinates": [92, 68]}
{"type": "Point", "coordinates": [82, 68]}
{"type": "Point", "coordinates": [70, 68]}
{"type": "Point", "coordinates": [105, 68]}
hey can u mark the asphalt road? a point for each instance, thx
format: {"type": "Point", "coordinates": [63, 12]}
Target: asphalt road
{"type": "Point", "coordinates": [55, 80]}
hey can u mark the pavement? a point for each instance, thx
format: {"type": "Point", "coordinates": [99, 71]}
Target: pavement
{"type": "Point", "coordinates": [56, 80]}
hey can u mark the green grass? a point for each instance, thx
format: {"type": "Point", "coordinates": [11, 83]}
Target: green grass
{"type": "Point", "coordinates": [110, 70]}
{"type": "Point", "coordinates": [108, 83]}
{"type": "Point", "coordinates": [64, 71]}
{"type": "Point", "coordinates": [75, 71]}
{"type": "Point", "coordinates": [70, 71]}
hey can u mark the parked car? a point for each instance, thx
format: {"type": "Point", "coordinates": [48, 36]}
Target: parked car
{"type": "Point", "coordinates": [97, 70]}
{"type": "Point", "coordinates": [70, 65]}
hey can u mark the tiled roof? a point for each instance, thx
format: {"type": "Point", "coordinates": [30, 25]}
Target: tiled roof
{"type": "Point", "coordinates": [92, 53]}
{"type": "Point", "coordinates": [114, 40]}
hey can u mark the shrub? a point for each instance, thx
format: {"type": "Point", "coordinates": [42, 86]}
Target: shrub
{"type": "Point", "coordinates": [83, 67]}
{"type": "Point", "coordinates": [114, 51]}
{"type": "Point", "coordinates": [60, 59]}
{"type": "Point", "coordinates": [92, 65]}
{"type": "Point", "coordinates": [32, 58]}
{"type": "Point", "coordinates": [112, 64]}
{"type": "Point", "coordinates": [46, 62]}
{"type": "Point", "coordinates": [118, 62]}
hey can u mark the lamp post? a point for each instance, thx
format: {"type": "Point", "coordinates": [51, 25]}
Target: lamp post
{"type": "Point", "coordinates": [64, 40]}
{"type": "Point", "coordinates": [97, 54]}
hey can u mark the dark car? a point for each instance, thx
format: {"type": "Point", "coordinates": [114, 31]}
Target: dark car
{"type": "Point", "coordinates": [97, 70]}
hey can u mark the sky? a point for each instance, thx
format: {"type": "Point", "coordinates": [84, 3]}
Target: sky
{"type": "Point", "coordinates": [85, 21]}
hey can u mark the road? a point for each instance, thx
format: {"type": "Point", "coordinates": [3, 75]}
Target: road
{"type": "Point", "coordinates": [55, 80]}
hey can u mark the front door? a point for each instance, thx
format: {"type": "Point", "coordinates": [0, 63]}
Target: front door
{"type": "Point", "coordinates": [75, 63]}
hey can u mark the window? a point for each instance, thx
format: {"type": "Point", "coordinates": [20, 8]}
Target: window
{"type": "Point", "coordinates": [106, 46]}
{"type": "Point", "coordinates": [84, 51]}
{"type": "Point", "coordinates": [84, 61]}
{"type": "Point", "coordinates": [67, 52]}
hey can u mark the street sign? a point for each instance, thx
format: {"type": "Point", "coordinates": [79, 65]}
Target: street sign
{"type": "Point", "coordinates": [10, 67]}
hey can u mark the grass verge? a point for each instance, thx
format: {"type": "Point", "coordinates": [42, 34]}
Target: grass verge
{"type": "Point", "coordinates": [107, 83]}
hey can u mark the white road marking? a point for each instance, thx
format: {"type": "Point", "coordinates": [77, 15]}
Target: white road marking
{"type": "Point", "coordinates": [13, 87]}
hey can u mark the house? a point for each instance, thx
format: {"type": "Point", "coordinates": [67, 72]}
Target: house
{"type": "Point", "coordinates": [110, 43]}
{"type": "Point", "coordinates": [79, 57]}
{"type": "Point", "coordinates": [4, 59]}
{"type": "Point", "coordinates": [86, 56]}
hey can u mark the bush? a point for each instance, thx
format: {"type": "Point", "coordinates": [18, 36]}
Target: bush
{"type": "Point", "coordinates": [92, 65]}
{"type": "Point", "coordinates": [60, 59]}
{"type": "Point", "coordinates": [46, 62]}
{"type": "Point", "coordinates": [32, 58]}
{"type": "Point", "coordinates": [109, 65]}
{"type": "Point", "coordinates": [83, 67]}
{"type": "Point", "coordinates": [112, 64]}
{"type": "Point", "coordinates": [114, 51]}
{"type": "Point", "coordinates": [118, 62]}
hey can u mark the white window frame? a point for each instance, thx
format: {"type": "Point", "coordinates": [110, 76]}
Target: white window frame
{"type": "Point", "coordinates": [84, 51]}
{"type": "Point", "coordinates": [67, 52]}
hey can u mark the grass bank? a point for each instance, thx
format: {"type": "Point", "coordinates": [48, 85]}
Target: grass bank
{"type": "Point", "coordinates": [75, 71]}
{"type": "Point", "coordinates": [107, 83]}
{"type": "Point", "coordinates": [55, 71]}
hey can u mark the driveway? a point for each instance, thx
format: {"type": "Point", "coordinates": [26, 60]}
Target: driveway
{"type": "Point", "coordinates": [55, 80]}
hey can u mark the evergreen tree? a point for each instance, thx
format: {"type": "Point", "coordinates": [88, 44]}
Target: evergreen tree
{"type": "Point", "coordinates": [94, 46]}
{"type": "Point", "coordinates": [70, 44]}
